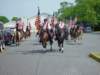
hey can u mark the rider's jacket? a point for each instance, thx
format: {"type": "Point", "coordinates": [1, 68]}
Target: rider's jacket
{"type": "Point", "coordinates": [61, 25]}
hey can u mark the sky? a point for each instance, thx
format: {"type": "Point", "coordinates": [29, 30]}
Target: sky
{"type": "Point", "coordinates": [28, 8]}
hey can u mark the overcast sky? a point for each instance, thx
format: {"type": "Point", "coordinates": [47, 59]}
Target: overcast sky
{"type": "Point", "coordinates": [11, 8]}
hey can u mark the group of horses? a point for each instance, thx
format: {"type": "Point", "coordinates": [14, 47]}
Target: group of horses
{"type": "Point", "coordinates": [59, 35]}
{"type": "Point", "coordinates": [20, 35]}
{"type": "Point", "coordinates": [15, 38]}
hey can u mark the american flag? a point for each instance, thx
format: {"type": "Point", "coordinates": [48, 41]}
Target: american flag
{"type": "Point", "coordinates": [72, 22]}
{"type": "Point", "coordinates": [20, 24]}
{"type": "Point", "coordinates": [52, 19]}
{"type": "Point", "coordinates": [38, 21]}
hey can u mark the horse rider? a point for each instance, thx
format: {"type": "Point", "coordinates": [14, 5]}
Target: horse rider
{"type": "Point", "coordinates": [47, 27]}
{"type": "Point", "coordinates": [59, 27]}
{"type": "Point", "coordinates": [63, 27]}
{"type": "Point", "coordinates": [43, 28]}
{"type": "Point", "coordinates": [28, 30]}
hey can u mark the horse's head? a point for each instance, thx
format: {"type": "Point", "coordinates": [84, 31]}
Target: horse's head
{"type": "Point", "coordinates": [45, 36]}
{"type": "Point", "coordinates": [44, 39]}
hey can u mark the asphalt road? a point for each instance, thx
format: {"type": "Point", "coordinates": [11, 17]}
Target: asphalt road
{"type": "Point", "coordinates": [31, 59]}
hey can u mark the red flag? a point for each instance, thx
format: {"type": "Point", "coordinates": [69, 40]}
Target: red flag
{"type": "Point", "coordinates": [38, 21]}
{"type": "Point", "coordinates": [53, 20]}
{"type": "Point", "coordinates": [71, 23]}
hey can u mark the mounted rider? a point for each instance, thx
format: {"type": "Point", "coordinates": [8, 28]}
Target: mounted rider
{"type": "Point", "coordinates": [19, 25]}
{"type": "Point", "coordinates": [43, 29]}
{"type": "Point", "coordinates": [48, 27]}
{"type": "Point", "coordinates": [61, 25]}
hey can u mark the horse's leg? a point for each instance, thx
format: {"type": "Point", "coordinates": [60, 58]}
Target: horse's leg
{"type": "Point", "coordinates": [51, 42]}
{"type": "Point", "coordinates": [62, 47]}
{"type": "Point", "coordinates": [3, 45]}
{"type": "Point", "coordinates": [80, 37]}
{"type": "Point", "coordinates": [44, 44]}
{"type": "Point", "coordinates": [17, 40]}
{"type": "Point", "coordinates": [59, 45]}
{"type": "Point", "coordinates": [75, 40]}
{"type": "Point", "coordinates": [1, 48]}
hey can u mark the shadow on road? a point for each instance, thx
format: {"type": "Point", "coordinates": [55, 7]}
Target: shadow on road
{"type": "Point", "coordinates": [95, 33]}
{"type": "Point", "coordinates": [36, 51]}
{"type": "Point", "coordinates": [73, 43]}
{"type": "Point", "coordinates": [36, 43]}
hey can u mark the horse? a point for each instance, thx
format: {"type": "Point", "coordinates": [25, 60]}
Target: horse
{"type": "Point", "coordinates": [8, 38]}
{"type": "Point", "coordinates": [45, 37]}
{"type": "Point", "coordinates": [60, 37]}
{"type": "Point", "coordinates": [22, 35]}
{"type": "Point", "coordinates": [27, 33]}
{"type": "Point", "coordinates": [76, 33]}
{"type": "Point", "coordinates": [79, 34]}
{"type": "Point", "coordinates": [73, 34]}
{"type": "Point", "coordinates": [66, 33]}
{"type": "Point", "coordinates": [2, 44]}
{"type": "Point", "coordinates": [18, 36]}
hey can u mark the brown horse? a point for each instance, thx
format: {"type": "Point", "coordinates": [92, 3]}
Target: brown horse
{"type": "Point", "coordinates": [27, 34]}
{"type": "Point", "coordinates": [79, 34]}
{"type": "Point", "coordinates": [22, 35]}
{"type": "Point", "coordinates": [18, 35]}
{"type": "Point", "coordinates": [2, 44]}
{"type": "Point", "coordinates": [76, 33]}
{"type": "Point", "coordinates": [45, 39]}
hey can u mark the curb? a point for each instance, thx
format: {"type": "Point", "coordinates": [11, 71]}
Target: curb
{"type": "Point", "coordinates": [95, 56]}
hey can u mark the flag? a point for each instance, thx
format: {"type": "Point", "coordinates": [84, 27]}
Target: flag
{"type": "Point", "coordinates": [52, 20]}
{"type": "Point", "coordinates": [76, 19]}
{"type": "Point", "coordinates": [71, 23]}
{"type": "Point", "coordinates": [20, 24]}
{"type": "Point", "coordinates": [38, 21]}
{"type": "Point", "coordinates": [30, 26]}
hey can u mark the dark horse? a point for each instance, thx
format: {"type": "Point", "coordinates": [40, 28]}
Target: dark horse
{"type": "Point", "coordinates": [27, 33]}
{"type": "Point", "coordinates": [75, 33]}
{"type": "Point", "coordinates": [2, 44]}
{"type": "Point", "coordinates": [45, 37]}
{"type": "Point", "coordinates": [17, 37]}
{"type": "Point", "coordinates": [60, 36]}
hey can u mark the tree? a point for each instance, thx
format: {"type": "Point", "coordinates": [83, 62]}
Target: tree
{"type": "Point", "coordinates": [64, 4]}
{"type": "Point", "coordinates": [87, 11]}
{"type": "Point", "coordinates": [65, 10]}
{"type": "Point", "coordinates": [4, 19]}
{"type": "Point", "coordinates": [14, 18]}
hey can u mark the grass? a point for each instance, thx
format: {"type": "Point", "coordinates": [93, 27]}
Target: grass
{"type": "Point", "coordinates": [95, 55]}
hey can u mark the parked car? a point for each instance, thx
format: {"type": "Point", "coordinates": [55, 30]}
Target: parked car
{"type": "Point", "coordinates": [2, 45]}
{"type": "Point", "coordinates": [8, 33]}
{"type": "Point", "coordinates": [88, 29]}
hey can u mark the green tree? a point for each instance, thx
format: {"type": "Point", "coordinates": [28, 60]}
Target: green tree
{"type": "Point", "coordinates": [14, 18]}
{"type": "Point", "coordinates": [86, 10]}
{"type": "Point", "coordinates": [4, 19]}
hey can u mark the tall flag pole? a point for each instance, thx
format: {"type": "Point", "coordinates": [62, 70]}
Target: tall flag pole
{"type": "Point", "coordinates": [38, 21]}
{"type": "Point", "coordinates": [52, 20]}
{"type": "Point", "coordinates": [70, 23]}
{"type": "Point", "coordinates": [75, 20]}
